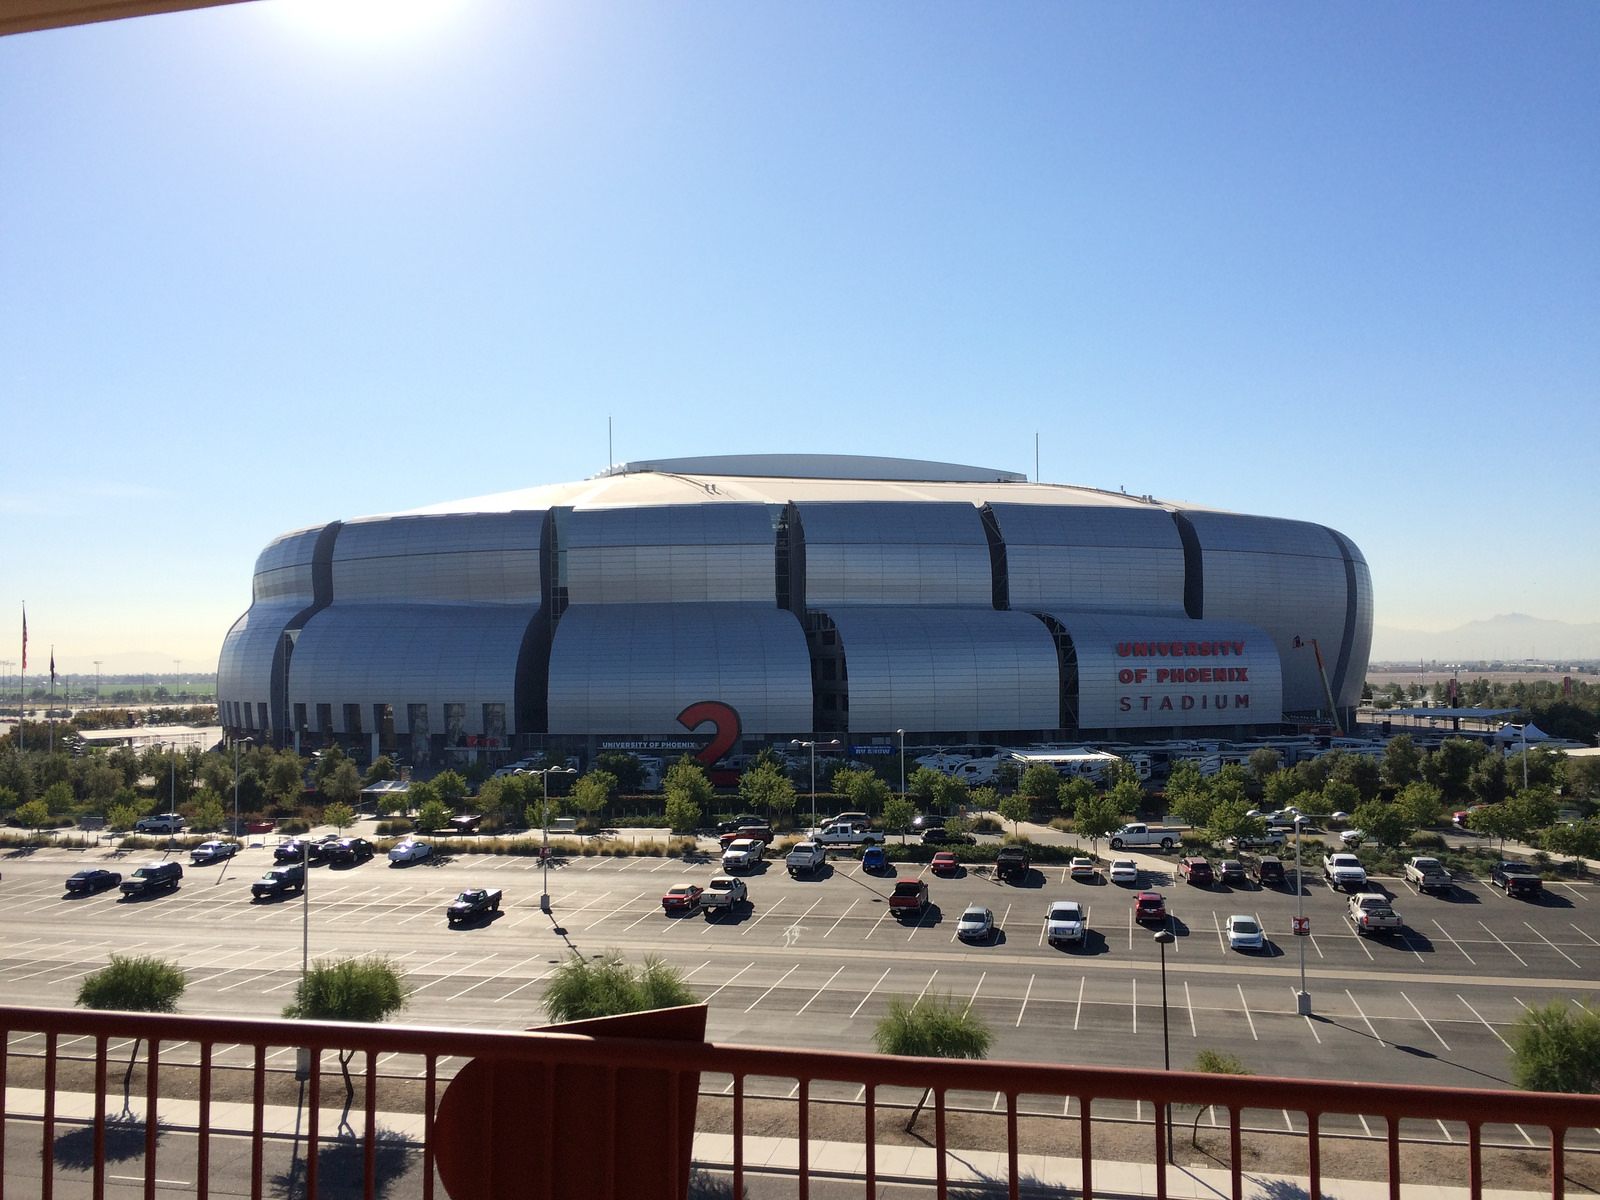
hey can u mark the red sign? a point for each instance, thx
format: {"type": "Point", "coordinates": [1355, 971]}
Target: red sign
{"type": "Point", "coordinates": [1302, 926]}
{"type": "Point", "coordinates": [723, 718]}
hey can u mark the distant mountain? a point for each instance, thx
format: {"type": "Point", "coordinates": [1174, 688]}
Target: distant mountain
{"type": "Point", "coordinates": [1512, 637]}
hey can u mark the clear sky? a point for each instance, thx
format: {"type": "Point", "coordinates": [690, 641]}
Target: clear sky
{"type": "Point", "coordinates": [273, 264]}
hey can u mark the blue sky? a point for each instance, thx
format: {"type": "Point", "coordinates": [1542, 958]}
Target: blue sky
{"type": "Point", "coordinates": [262, 268]}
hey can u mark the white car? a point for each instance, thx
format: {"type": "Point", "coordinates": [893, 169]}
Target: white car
{"type": "Point", "coordinates": [1081, 868]}
{"type": "Point", "coordinates": [1353, 837]}
{"type": "Point", "coordinates": [210, 852]}
{"type": "Point", "coordinates": [1124, 870]}
{"type": "Point", "coordinates": [1244, 933]}
{"type": "Point", "coordinates": [409, 851]}
{"type": "Point", "coordinates": [743, 853]}
{"type": "Point", "coordinates": [976, 924]}
{"type": "Point", "coordinates": [1064, 922]}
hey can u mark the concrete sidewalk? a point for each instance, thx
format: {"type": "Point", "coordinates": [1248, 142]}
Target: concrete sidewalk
{"type": "Point", "coordinates": [909, 1165]}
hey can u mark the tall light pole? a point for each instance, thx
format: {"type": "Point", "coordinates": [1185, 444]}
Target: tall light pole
{"type": "Point", "coordinates": [902, 734]}
{"type": "Point", "coordinates": [544, 774]}
{"type": "Point", "coordinates": [1164, 938]}
{"type": "Point", "coordinates": [1302, 998]}
{"type": "Point", "coordinates": [236, 744]}
{"type": "Point", "coordinates": [97, 683]}
{"type": "Point", "coordinates": [831, 744]}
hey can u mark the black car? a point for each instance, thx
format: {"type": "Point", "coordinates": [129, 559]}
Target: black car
{"type": "Point", "coordinates": [1516, 878]}
{"type": "Point", "coordinates": [96, 880]}
{"type": "Point", "coordinates": [938, 835]}
{"type": "Point", "coordinates": [349, 850]}
{"type": "Point", "coordinates": [923, 822]}
{"type": "Point", "coordinates": [152, 878]}
{"type": "Point", "coordinates": [1269, 873]}
{"type": "Point", "coordinates": [301, 849]}
{"type": "Point", "coordinates": [1232, 873]}
{"type": "Point", "coordinates": [279, 881]}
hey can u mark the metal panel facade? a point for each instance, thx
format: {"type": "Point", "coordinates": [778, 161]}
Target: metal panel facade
{"type": "Point", "coordinates": [895, 553]}
{"type": "Point", "coordinates": [283, 569]}
{"type": "Point", "coordinates": [632, 668]}
{"type": "Point", "coordinates": [1082, 557]}
{"type": "Point", "coordinates": [405, 654]}
{"type": "Point", "coordinates": [925, 668]}
{"type": "Point", "coordinates": [669, 553]}
{"type": "Point", "coordinates": [489, 558]}
{"type": "Point", "coordinates": [244, 668]}
{"type": "Point", "coordinates": [1286, 578]}
{"type": "Point", "coordinates": [1148, 672]}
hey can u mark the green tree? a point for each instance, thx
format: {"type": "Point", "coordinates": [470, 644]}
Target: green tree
{"type": "Point", "coordinates": [1232, 819]}
{"type": "Point", "coordinates": [58, 798]}
{"type": "Point", "coordinates": [205, 811]}
{"type": "Point", "coordinates": [951, 794]}
{"type": "Point", "coordinates": [1383, 822]}
{"type": "Point", "coordinates": [923, 783]}
{"type": "Point", "coordinates": [369, 990]}
{"type": "Point", "coordinates": [932, 1026]}
{"type": "Point", "coordinates": [1402, 763]}
{"type": "Point", "coordinates": [285, 778]}
{"type": "Point", "coordinates": [1488, 780]}
{"type": "Point", "coordinates": [689, 794]}
{"type": "Point", "coordinates": [1449, 768]}
{"type": "Point", "coordinates": [1098, 814]}
{"type": "Point", "coordinates": [326, 763]}
{"type": "Point", "coordinates": [1016, 808]}
{"type": "Point", "coordinates": [593, 791]}
{"type": "Point", "coordinates": [984, 799]}
{"type": "Point", "coordinates": [898, 813]}
{"type": "Point", "coordinates": [865, 790]}
{"type": "Point", "coordinates": [683, 814]}
{"type": "Point", "coordinates": [1337, 795]}
{"type": "Point", "coordinates": [342, 785]}
{"type": "Point", "coordinates": [1231, 785]}
{"type": "Point", "coordinates": [766, 789]}
{"type": "Point", "coordinates": [420, 794]}
{"type": "Point", "coordinates": [339, 816]}
{"type": "Point", "coordinates": [581, 989]}
{"type": "Point", "coordinates": [1265, 763]}
{"type": "Point", "coordinates": [451, 788]}
{"type": "Point", "coordinates": [433, 814]}
{"type": "Point", "coordinates": [1361, 772]}
{"type": "Point", "coordinates": [1556, 1048]}
{"type": "Point", "coordinates": [1192, 806]}
{"type": "Point", "coordinates": [382, 769]}
{"type": "Point", "coordinates": [1282, 789]}
{"type": "Point", "coordinates": [625, 767]}
{"type": "Point", "coordinates": [1576, 839]}
{"type": "Point", "coordinates": [1040, 785]}
{"type": "Point", "coordinates": [35, 814]}
{"type": "Point", "coordinates": [1073, 793]}
{"type": "Point", "coordinates": [133, 983]}
{"type": "Point", "coordinates": [123, 816]}
{"type": "Point", "coordinates": [1212, 1062]}
{"type": "Point", "coordinates": [1421, 803]}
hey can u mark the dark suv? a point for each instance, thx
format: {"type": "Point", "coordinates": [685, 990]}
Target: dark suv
{"type": "Point", "coordinates": [1197, 871]}
{"type": "Point", "coordinates": [152, 878]}
{"type": "Point", "coordinates": [1269, 873]}
{"type": "Point", "coordinates": [1516, 878]}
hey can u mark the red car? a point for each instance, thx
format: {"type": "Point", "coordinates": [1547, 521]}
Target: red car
{"type": "Point", "coordinates": [1149, 906]}
{"type": "Point", "coordinates": [944, 863]}
{"type": "Point", "coordinates": [683, 897]}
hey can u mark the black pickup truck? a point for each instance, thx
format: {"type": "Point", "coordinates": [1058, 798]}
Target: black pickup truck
{"type": "Point", "coordinates": [1012, 864]}
{"type": "Point", "coordinates": [279, 881]}
{"type": "Point", "coordinates": [473, 902]}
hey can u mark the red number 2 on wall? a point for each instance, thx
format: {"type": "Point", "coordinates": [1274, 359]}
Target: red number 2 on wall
{"type": "Point", "coordinates": [723, 717]}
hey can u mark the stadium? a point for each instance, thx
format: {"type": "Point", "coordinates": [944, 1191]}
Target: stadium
{"type": "Point", "coordinates": [724, 603]}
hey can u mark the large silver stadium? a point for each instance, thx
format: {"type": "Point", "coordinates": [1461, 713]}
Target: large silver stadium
{"type": "Point", "coordinates": [757, 598]}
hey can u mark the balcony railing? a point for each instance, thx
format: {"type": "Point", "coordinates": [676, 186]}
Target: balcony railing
{"type": "Point", "coordinates": [495, 1114]}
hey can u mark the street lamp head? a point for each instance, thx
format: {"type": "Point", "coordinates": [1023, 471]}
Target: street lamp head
{"type": "Point", "coordinates": [900, 732]}
{"type": "Point", "coordinates": [798, 744]}
{"type": "Point", "coordinates": [1164, 937]}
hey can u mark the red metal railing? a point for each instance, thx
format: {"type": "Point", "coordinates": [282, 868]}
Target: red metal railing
{"type": "Point", "coordinates": [195, 1054]}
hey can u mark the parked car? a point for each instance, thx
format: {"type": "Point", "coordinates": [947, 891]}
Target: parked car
{"type": "Point", "coordinates": [164, 823]}
{"type": "Point", "coordinates": [1063, 923]}
{"type": "Point", "coordinates": [1244, 933]}
{"type": "Point", "coordinates": [1232, 872]}
{"type": "Point", "coordinates": [944, 863]}
{"type": "Point", "coordinates": [96, 879]}
{"type": "Point", "coordinates": [471, 903]}
{"type": "Point", "coordinates": [298, 849]}
{"type": "Point", "coordinates": [1149, 906]}
{"type": "Point", "coordinates": [723, 894]}
{"type": "Point", "coordinates": [923, 822]}
{"type": "Point", "coordinates": [875, 859]}
{"type": "Point", "coordinates": [349, 850]}
{"type": "Point", "coordinates": [1269, 873]}
{"type": "Point", "coordinates": [152, 878]}
{"type": "Point", "coordinates": [681, 897]}
{"type": "Point", "coordinates": [210, 852]}
{"type": "Point", "coordinates": [761, 833]}
{"type": "Point", "coordinates": [1266, 841]}
{"type": "Point", "coordinates": [1082, 868]}
{"type": "Point", "coordinates": [1352, 837]}
{"type": "Point", "coordinates": [1516, 878]}
{"type": "Point", "coordinates": [742, 854]}
{"type": "Point", "coordinates": [1124, 870]}
{"type": "Point", "coordinates": [279, 881]}
{"type": "Point", "coordinates": [940, 836]}
{"type": "Point", "coordinates": [409, 851]}
{"type": "Point", "coordinates": [910, 897]}
{"type": "Point", "coordinates": [976, 924]}
{"type": "Point", "coordinates": [1197, 871]}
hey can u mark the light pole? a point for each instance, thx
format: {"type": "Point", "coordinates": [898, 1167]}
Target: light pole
{"type": "Point", "coordinates": [97, 683]}
{"type": "Point", "coordinates": [237, 743]}
{"type": "Point", "coordinates": [1163, 939]}
{"type": "Point", "coordinates": [831, 744]}
{"type": "Point", "coordinates": [902, 734]}
{"type": "Point", "coordinates": [1302, 998]}
{"type": "Point", "coordinates": [544, 774]}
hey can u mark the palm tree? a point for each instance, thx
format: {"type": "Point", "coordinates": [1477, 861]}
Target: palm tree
{"type": "Point", "coordinates": [931, 1027]}
{"type": "Point", "coordinates": [133, 983]}
{"type": "Point", "coordinates": [367, 989]}
{"type": "Point", "coordinates": [581, 989]}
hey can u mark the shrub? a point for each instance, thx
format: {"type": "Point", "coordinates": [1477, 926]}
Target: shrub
{"type": "Point", "coordinates": [393, 828]}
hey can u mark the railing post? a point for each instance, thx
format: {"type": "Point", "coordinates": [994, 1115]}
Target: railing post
{"type": "Point", "coordinates": [1558, 1162]}
{"type": "Point", "coordinates": [47, 1167]}
{"type": "Point", "coordinates": [1314, 1148]}
{"type": "Point", "coordinates": [203, 1161]}
{"type": "Point", "coordinates": [1085, 1148]}
{"type": "Point", "coordinates": [871, 1098]}
{"type": "Point", "coordinates": [738, 1135]}
{"type": "Point", "coordinates": [313, 1121]}
{"type": "Point", "coordinates": [804, 1161]}
{"type": "Point", "coordinates": [941, 1182]}
{"type": "Point", "coordinates": [99, 1117]}
{"type": "Point", "coordinates": [1474, 1161]}
{"type": "Point", "coordinates": [258, 1105]}
{"type": "Point", "coordinates": [430, 1097]}
{"type": "Point", "coordinates": [1394, 1157]}
{"type": "Point", "coordinates": [1163, 1117]}
{"type": "Point", "coordinates": [152, 1119]}
{"type": "Point", "coordinates": [1011, 1142]}
{"type": "Point", "coordinates": [1235, 1152]}
{"type": "Point", "coordinates": [369, 1157]}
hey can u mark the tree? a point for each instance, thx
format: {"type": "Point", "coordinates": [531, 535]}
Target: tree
{"type": "Point", "coordinates": [451, 788]}
{"type": "Point", "coordinates": [765, 788]}
{"type": "Point", "coordinates": [382, 769]}
{"type": "Point", "coordinates": [1016, 808]}
{"type": "Point", "coordinates": [1073, 792]}
{"type": "Point", "coordinates": [689, 794]}
{"type": "Point", "coordinates": [582, 988]}
{"type": "Point", "coordinates": [285, 778]}
{"type": "Point", "coordinates": [123, 816]}
{"type": "Point", "coordinates": [1421, 803]}
{"type": "Point", "coordinates": [1264, 763]}
{"type": "Point", "coordinates": [58, 798]}
{"type": "Point", "coordinates": [326, 763]}
{"type": "Point", "coordinates": [1556, 1048]}
{"type": "Point", "coordinates": [951, 794]}
{"type": "Point", "coordinates": [922, 784]}
{"type": "Point", "coordinates": [593, 791]}
{"type": "Point", "coordinates": [1488, 780]}
{"type": "Point", "coordinates": [35, 814]}
{"type": "Point", "coordinates": [1188, 793]}
{"type": "Point", "coordinates": [205, 811]}
{"type": "Point", "coordinates": [1361, 772]}
{"type": "Point", "coordinates": [1576, 839]}
{"type": "Point", "coordinates": [1232, 819]}
{"type": "Point", "coordinates": [1040, 785]}
{"type": "Point", "coordinates": [432, 815]}
{"type": "Point", "coordinates": [865, 790]}
{"type": "Point", "coordinates": [1383, 822]}
{"type": "Point", "coordinates": [1337, 795]}
{"type": "Point", "coordinates": [369, 989]}
{"type": "Point", "coordinates": [342, 785]}
{"type": "Point", "coordinates": [1231, 785]}
{"type": "Point", "coordinates": [1449, 768]}
{"type": "Point", "coordinates": [625, 767]}
{"type": "Point", "coordinates": [898, 813]}
{"type": "Point", "coordinates": [1212, 1062]}
{"type": "Point", "coordinates": [133, 983]}
{"type": "Point", "coordinates": [1402, 762]}
{"type": "Point", "coordinates": [1282, 789]}
{"type": "Point", "coordinates": [932, 1026]}
{"type": "Point", "coordinates": [683, 814]}
{"type": "Point", "coordinates": [338, 815]}
{"type": "Point", "coordinates": [1096, 815]}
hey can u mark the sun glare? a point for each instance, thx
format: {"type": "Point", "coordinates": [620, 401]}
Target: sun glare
{"type": "Point", "coordinates": [368, 22]}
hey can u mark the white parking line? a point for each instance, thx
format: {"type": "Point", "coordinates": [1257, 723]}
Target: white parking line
{"type": "Point", "coordinates": [246, 982]}
{"type": "Point", "coordinates": [735, 975]}
{"type": "Point", "coordinates": [868, 996]}
{"type": "Point", "coordinates": [1130, 929]}
{"type": "Point", "coordinates": [1136, 1006]}
{"type": "Point", "coordinates": [623, 907]}
{"type": "Point", "coordinates": [1571, 889]}
{"type": "Point", "coordinates": [1078, 1012]}
{"type": "Point", "coordinates": [1457, 944]}
{"type": "Point", "coordinates": [1025, 996]}
{"type": "Point", "coordinates": [480, 983]}
{"type": "Point", "coordinates": [1424, 1020]}
{"type": "Point", "coordinates": [1370, 1027]}
{"type": "Point", "coordinates": [1553, 946]}
{"type": "Point", "coordinates": [1222, 942]}
{"type": "Point", "coordinates": [842, 916]}
{"type": "Point", "coordinates": [1480, 1017]}
{"type": "Point", "coordinates": [1508, 949]}
{"type": "Point", "coordinates": [1188, 1003]}
{"type": "Point", "coordinates": [984, 975]}
{"type": "Point", "coordinates": [818, 992]}
{"type": "Point", "coordinates": [1597, 943]}
{"type": "Point", "coordinates": [1310, 1024]}
{"type": "Point", "coordinates": [927, 985]}
{"type": "Point", "coordinates": [1245, 1004]}
{"type": "Point", "coordinates": [769, 991]}
{"type": "Point", "coordinates": [440, 979]}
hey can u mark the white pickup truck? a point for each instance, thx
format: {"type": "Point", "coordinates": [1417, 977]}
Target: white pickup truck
{"type": "Point", "coordinates": [1370, 912]}
{"type": "Point", "coordinates": [806, 858]}
{"type": "Point", "coordinates": [844, 833]}
{"type": "Point", "coordinates": [1343, 870]}
{"type": "Point", "coordinates": [723, 894]}
{"type": "Point", "coordinates": [1140, 834]}
{"type": "Point", "coordinates": [1428, 875]}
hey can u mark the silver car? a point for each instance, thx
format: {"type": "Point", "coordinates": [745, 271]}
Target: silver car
{"type": "Point", "coordinates": [976, 924]}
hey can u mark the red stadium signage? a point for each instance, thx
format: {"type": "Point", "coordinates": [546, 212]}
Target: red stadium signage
{"type": "Point", "coordinates": [1166, 681]}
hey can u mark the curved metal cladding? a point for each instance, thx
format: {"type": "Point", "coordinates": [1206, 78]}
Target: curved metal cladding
{"type": "Point", "coordinates": [474, 558]}
{"type": "Point", "coordinates": [1150, 672]}
{"type": "Point", "coordinates": [689, 553]}
{"type": "Point", "coordinates": [895, 553]}
{"type": "Point", "coordinates": [1351, 670]}
{"type": "Point", "coordinates": [1129, 559]}
{"type": "Point", "coordinates": [956, 669]}
{"type": "Point", "coordinates": [353, 657]}
{"type": "Point", "coordinates": [1290, 579]}
{"type": "Point", "coordinates": [283, 586]}
{"type": "Point", "coordinates": [632, 668]}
